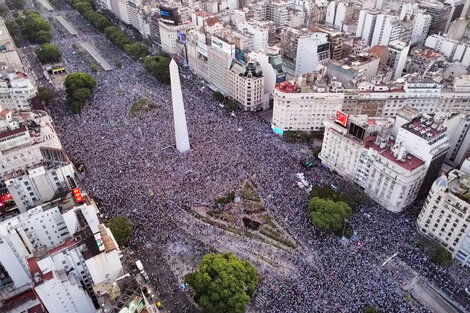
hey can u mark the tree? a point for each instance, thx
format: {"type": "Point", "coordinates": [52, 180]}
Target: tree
{"type": "Point", "coordinates": [159, 67]}
{"type": "Point", "coordinates": [316, 152]}
{"type": "Point", "coordinates": [48, 53]}
{"type": "Point", "coordinates": [121, 228]}
{"type": "Point", "coordinates": [441, 256]}
{"type": "Point", "coordinates": [370, 309]}
{"type": "Point", "coordinates": [136, 50]}
{"type": "Point", "coordinates": [45, 94]}
{"type": "Point", "coordinates": [223, 283]}
{"type": "Point", "coordinates": [15, 4]}
{"type": "Point", "coordinates": [34, 27]}
{"type": "Point", "coordinates": [218, 96]}
{"type": "Point", "coordinates": [117, 36]}
{"type": "Point", "coordinates": [79, 88]}
{"type": "Point", "coordinates": [329, 215]}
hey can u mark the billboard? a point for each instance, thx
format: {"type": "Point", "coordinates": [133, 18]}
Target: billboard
{"type": "Point", "coordinates": [280, 78]}
{"type": "Point", "coordinates": [99, 241]}
{"type": "Point", "coordinates": [181, 36]}
{"type": "Point", "coordinates": [222, 45]}
{"type": "Point", "coordinates": [202, 48]}
{"type": "Point", "coordinates": [77, 195]}
{"type": "Point", "coordinates": [240, 56]}
{"type": "Point", "coordinates": [341, 118]}
{"type": "Point", "coordinates": [136, 305]}
{"type": "Point", "coordinates": [170, 15]}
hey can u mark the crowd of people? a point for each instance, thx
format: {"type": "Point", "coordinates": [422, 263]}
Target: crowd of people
{"type": "Point", "coordinates": [133, 169]}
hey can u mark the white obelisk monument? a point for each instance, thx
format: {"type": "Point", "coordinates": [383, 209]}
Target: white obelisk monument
{"type": "Point", "coordinates": [181, 130]}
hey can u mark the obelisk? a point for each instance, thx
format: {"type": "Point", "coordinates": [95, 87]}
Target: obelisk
{"type": "Point", "coordinates": [179, 118]}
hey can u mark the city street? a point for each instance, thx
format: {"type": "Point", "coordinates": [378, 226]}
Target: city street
{"type": "Point", "coordinates": [133, 169]}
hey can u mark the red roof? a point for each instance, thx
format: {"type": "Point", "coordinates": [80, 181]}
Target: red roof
{"type": "Point", "coordinates": [286, 87]}
{"type": "Point", "coordinates": [410, 163]}
{"type": "Point", "coordinates": [21, 298]}
{"type": "Point", "coordinates": [36, 309]}
{"type": "Point", "coordinates": [68, 243]}
{"type": "Point", "coordinates": [12, 132]}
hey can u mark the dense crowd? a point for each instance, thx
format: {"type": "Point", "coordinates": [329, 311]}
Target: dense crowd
{"type": "Point", "coordinates": [133, 169]}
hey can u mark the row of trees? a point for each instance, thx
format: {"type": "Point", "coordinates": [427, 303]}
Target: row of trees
{"type": "Point", "coordinates": [79, 88]}
{"type": "Point", "coordinates": [33, 27]}
{"type": "Point", "coordinates": [102, 23]}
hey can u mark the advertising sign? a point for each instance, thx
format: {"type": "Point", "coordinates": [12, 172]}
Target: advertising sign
{"type": "Point", "coordinates": [280, 78]}
{"type": "Point", "coordinates": [202, 48]}
{"type": "Point", "coordinates": [341, 118]}
{"type": "Point", "coordinates": [222, 45]}
{"type": "Point", "coordinates": [77, 195]}
{"type": "Point", "coordinates": [181, 36]}
{"type": "Point", "coordinates": [240, 56]}
{"type": "Point", "coordinates": [99, 241]}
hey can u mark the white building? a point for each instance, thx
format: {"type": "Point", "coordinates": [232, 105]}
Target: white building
{"type": "Point", "coordinates": [366, 25]}
{"type": "Point", "coordinates": [246, 85]}
{"type": "Point", "coordinates": [16, 89]}
{"type": "Point", "coordinates": [220, 56]}
{"type": "Point", "coordinates": [453, 49]}
{"type": "Point", "coordinates": [397, 56]}
{"type": "Point", "coordinates": [362, 150]}
{"type": "Point", "coordinates": [421, 22]}
{"type": "Point", "coordinates": [387, 28]}
{"type": "Point", "coordinates": [303, 104]}
{"type": "Point", "coordinates": [38, 184]}
{"type": "Point", "coordinates": [445, 216]}
{"type": "Point", "coordinates": [260, 34]}
{"type": "Point", "coordinates": [270, 62]}
{"type": "Point", "coordinates": [312, 50]}
{"type": "Point", "coordinates": [38, 248]}
{"type": "Point", "coordinates": [169, 35]}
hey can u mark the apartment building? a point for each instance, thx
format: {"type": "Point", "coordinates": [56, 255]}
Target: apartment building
{"type": "Point", "coordinates": [363, 150]}
{"type": "Point", "coordinates": [246, 85]}
{"type": "Point", "coordinates": [16, 90]}
{"type": "Point", "coordinates": [62, 252]}
{"type": "Point", "coordinates": [445, 216]}
{"type": "Point", "coordinates": [305, 102]}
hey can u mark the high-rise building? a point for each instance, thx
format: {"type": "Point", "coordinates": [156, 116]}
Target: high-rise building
{"type": "Point", "coordinates": [439, 12]}
{"type": "Point", "coordinates": [387, 28]}
{"type": "Point", "coordinates": [366, 25]}
{"type": "Point", "coordinates": [397, 55]}
{"type": "Point", "coordinates": [246, 85]}
{"type": "Point", "coordinates": [445, 216]}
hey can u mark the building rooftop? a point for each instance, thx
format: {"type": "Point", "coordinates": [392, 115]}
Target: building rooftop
{"type": "Point", "coordinates": [425, 127]}
{"type": "Point", "coordinates": [457, 183]}
{"type": "Point", "coordinates": [409, 162]}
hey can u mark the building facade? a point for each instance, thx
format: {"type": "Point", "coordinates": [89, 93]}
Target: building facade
{"type": "Point", "coordinates": [445, 216]}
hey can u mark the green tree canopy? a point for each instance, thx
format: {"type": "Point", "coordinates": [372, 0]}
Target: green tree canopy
{"type": "Point", "coordinates": [159, 67]}
{"type": "Point", "coordinates": [15, 4]}
{"type": "Point", "coordinates": [223, 283]}
{"type": "Point", "coordinates": [121, 228]}
{"type": "Point", "coordinates": [329, 215]}
{"type": "Point", "coordinates": [79, 87]}
{"type": "Point", "coordinates": [34, 27]}
{"type": "Point", "coordinates": [117, 36]}
{"type": "Point", "coordinates": [48, 53]}
{"type": "Point", "coordinates": [218, 96]}
{"type": "Point", "coordinates": [441, 256]}
{"type": "Point", "coordinates": [136, 50]}
{"type": "Point", "coordinates": [45, 94]}
{"type": "Point", "coordinates": [370, 309]}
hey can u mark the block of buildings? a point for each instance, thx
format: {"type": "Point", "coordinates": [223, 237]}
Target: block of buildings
{"type": "Point", "coordinates": [246, 85]}
{"type": "Point", "coordinates": [445, 216]}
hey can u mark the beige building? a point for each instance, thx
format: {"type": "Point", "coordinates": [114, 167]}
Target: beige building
{"type": "Point", "coordinates": [246, 85]}
{"type": "Point", "coordinates": [445, 216]}
{"type": "Point", "coordinates": [305, 103]}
